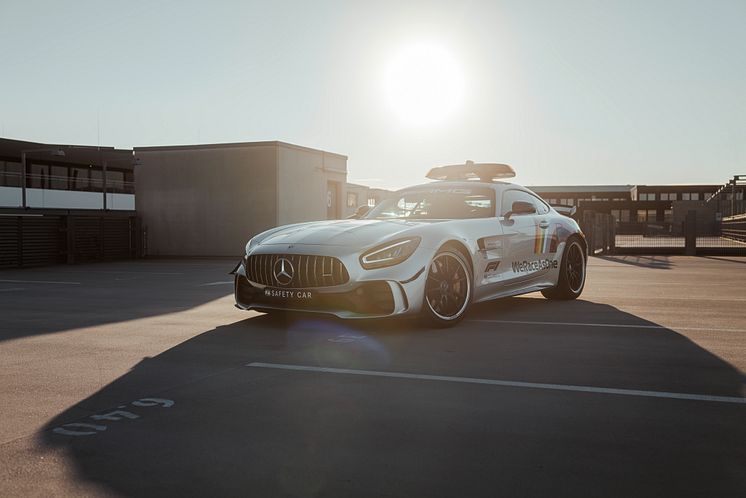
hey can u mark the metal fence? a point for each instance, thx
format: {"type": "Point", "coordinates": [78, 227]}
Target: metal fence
{"type": "Point", "coordinates": [730, 207]}
{"type": "Point", "coordinates": [729, 199]}
{"type": "Point", "coordinates": [45, 239]}
{"type": "Point", "coordinates": [606, 235]}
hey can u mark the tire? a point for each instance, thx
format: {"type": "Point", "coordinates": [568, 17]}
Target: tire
{"type": "Point", "coordinates": [448, 289]}
{"type": "Point", "coordinates": [571, 279]}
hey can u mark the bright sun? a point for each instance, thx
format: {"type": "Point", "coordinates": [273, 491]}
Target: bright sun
{"type": "Point", "coordinates": [424, 84]}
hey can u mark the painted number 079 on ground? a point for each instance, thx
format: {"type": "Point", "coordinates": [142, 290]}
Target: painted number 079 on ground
{"type": "Point", "coordinates": [90, 428]}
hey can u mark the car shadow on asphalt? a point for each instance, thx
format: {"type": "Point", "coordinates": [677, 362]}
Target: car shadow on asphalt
{"type": "Point", "coordinates": [236, 430]}
{"type": "Point", "coordinates": [654, 262]}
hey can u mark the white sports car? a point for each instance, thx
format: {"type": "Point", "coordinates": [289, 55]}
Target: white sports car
{"type": "Point", "coordinates": [429, 250]}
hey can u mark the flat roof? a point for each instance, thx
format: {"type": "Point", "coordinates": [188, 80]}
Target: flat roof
{"type": "Point", "coordinates": [236, 145]}
{"type": "Point", "coordinates": [581, 188]}
{"type": "Point", "coordinates": [74, 154]}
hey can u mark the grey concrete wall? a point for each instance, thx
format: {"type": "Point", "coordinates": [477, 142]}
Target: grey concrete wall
{"type": "Point", "coordinates": [302, 183]}
{"type": "Point", "coordinates": [205, 201]}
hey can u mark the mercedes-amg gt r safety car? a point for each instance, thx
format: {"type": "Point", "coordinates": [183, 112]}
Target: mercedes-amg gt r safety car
{"type": "Point", "coordinates": [429, 250]}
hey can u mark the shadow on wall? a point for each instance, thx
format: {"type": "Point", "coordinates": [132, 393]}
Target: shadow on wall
{"type": "Point", "coordinates": [236, 430]}
{"type": "Point", "coordinates": [70, 297]}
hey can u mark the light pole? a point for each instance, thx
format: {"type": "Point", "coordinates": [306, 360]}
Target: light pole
{"type": "Point", "coordinates": [55, 152]}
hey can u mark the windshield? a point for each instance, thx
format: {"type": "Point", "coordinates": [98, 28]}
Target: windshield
{"type": "Point", "coordinates": [437, 204]}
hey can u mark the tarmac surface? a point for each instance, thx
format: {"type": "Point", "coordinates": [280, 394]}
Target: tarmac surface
{"type": "Point", "coordinates": [141, 378]}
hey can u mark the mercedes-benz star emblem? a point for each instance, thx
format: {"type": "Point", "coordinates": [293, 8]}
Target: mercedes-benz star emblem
{"type": "Point", "coordinates": [283, 271]}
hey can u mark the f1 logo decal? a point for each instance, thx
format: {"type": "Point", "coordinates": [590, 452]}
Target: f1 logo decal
{"type": "Point", "coordinates": [492, 266]}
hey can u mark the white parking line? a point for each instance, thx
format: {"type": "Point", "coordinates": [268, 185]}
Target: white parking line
{"type": "Point", "coordinates": [136, 272]}
{"type": "Point", "coordinates": [39, 282]}
{"type": "Point", "coordinates": [507, 383]}
{"type": "Point", "coordinates": [612, 325]}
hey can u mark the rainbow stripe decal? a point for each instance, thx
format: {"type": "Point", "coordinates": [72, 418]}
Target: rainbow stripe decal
{"type": "Point", "coordinates": [545, 240]}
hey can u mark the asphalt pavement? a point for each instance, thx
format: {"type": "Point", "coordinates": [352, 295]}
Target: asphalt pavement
{"type": "Point", "coordinates": [140, 378]}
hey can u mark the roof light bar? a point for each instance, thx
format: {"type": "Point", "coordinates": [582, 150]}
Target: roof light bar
{"type": "Point", "coordinates": [485, 172]}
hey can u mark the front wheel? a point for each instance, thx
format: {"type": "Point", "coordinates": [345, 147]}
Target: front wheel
{"type": "Point", "coordinates": [572, 273]}
{"type": "Point", "coordinates": [447, 289]}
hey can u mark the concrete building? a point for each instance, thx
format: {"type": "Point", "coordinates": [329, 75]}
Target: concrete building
{"type": "Point", "coordinates": [208, 200]}
{"type": "Point", "coordinates": [629, 203]}
{"type": "Point", "coordinates": [361, 195]}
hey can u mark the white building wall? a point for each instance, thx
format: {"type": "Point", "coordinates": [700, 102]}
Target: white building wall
{"type": "Point", "coordinates": [64, 199]}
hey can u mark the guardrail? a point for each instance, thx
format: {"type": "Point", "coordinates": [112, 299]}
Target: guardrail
{"type": "Point", "coordinates": [734, 227]}
{"type": "Point", "coordinates": [730, 198]}
{"type": "Point", "coordinates": [55, 182]}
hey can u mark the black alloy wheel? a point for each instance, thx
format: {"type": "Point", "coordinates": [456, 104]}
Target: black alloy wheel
{"type": "Point", "coordinates": [448, 288]}
{"type": "Point", "coordinates": [575, 268]}
{"type": "Point", "coordinates": [571, 278]}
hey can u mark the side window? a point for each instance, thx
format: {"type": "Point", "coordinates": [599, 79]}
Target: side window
{"type": "Point", "coordinates": [541, 206]}
{"type": "Point", "coordinates": [511, 196]}
{"type": "Point", "coordinates": [508, 198]}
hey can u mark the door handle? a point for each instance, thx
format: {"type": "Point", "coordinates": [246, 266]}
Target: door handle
{"type": "Point", "coordinates": [543, 224]}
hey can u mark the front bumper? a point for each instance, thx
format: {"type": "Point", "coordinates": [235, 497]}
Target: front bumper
{"type": "Point", "coordinates": [367, 294]}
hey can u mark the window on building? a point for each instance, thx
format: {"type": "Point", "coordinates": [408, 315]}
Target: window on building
{"type": "Point", "coordinates": [652, 215]}
{"type": "Point", "coordinates": [58, 178]}
{"type": "Point", "coordinates": [97, 179]}
{"type": "Point", "coordinates": [690, 196]}
{"type": "Point", "coordinates": [625, 214]}
{"type": "Point", "coordinates": [129, 182]}
{"type": "Point", "coordinates": [642, 216]}
{"type": "Point", "coordinates": [10, 174]}
{"type": "Point", "coordinates": [668, 216]}
{"type": "Point", "coordinates": [646, 196]}
{"type": "Point", "coordinates": [79, 179]}
{"type": "Point", "coordinates": [371, 202]}
{"type": "Point", "coordinates": [351, 200]}
{"type": "Point", "coordinates": [668, 196]}
{"type": "Point", "coordinates": [115, 181]}
{"type": "Point", "coordinates": [38, 176]}
{"type": "Point", "coordinates": [617, 214]}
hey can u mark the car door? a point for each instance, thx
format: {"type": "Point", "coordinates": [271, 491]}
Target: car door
{"type": "Point", "coordinates": [520, 233]}
{"type": "Point", "coordinates": [545, 243]}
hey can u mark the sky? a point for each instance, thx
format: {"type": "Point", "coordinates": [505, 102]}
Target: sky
{"type": "Point", "coordinates": [571, 92]}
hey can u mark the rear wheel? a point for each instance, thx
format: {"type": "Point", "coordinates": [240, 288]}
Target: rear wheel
{"type": "Point", "coordinates": [572, 273]}
{"type": "Point", "coordinates": [447, 289]}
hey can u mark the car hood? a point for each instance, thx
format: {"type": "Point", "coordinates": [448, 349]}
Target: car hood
{"type": "Point", "coordinates": [357, 233]}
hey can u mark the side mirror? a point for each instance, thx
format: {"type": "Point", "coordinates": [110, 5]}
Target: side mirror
{"type": "Point", "coordinates": [520, 207]}
{"type": "Point", "coordinates": [360, 212]}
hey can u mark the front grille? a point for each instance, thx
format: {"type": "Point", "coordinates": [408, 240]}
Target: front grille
{"type": "Point", "coordinates": [307, 271]}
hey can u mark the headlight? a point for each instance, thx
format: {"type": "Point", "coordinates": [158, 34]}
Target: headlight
{"type": "Point", "coordinates": [389, 254]}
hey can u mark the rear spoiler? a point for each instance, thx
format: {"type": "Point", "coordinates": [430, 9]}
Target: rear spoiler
{"type": "Point", "coordinates": [568, 211]}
